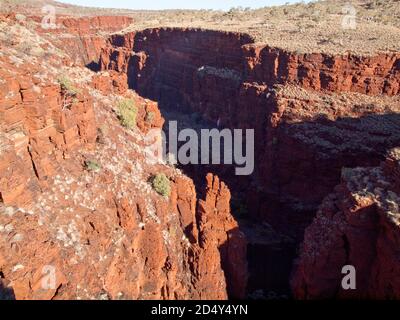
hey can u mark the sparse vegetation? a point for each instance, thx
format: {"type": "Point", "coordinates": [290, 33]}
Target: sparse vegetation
{"type": "Point", "coordinates": [127, 113]}
{"type": "Point", "coordinates": [69, 91]}
{"type": "Point", "coordinates": [102, 132]}
{"type": "Point", "coordinates": [67, 86]}
{"type": "Point", "coordinates": [92, 165]}
{"type": "Point", "coordinates": [161, 184]}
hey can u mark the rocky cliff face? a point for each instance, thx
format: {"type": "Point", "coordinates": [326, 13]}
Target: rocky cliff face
{"type": "Point", "coordinates": [297, 123]}
{"type": "Point", "coordinates": [357, 225]}
{"type": "Point", "coordinates": [159, 48]}
{"type": "Point", "coordinates": [82, 38]}
{"type": "Point", "coordinates": [39, 126]}
{"type": "Point", "coordinates": [109, 235]}
{"type": "Point", "coordinates": [78, 216]}
{"type": "Point", "coordinates": [372, 75]}
{"type": "Point", "coordinates": [313, 114]}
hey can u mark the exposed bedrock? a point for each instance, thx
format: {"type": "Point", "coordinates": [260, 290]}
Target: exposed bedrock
{"type": "Point", "coordinates": [82, 38]}
{"type": "Point", "coordinates": [313, 114]}
{"type": "Point", "coordinates": [148, 54]}
{"type": "Point", "coordinates": [36, 135]}
{"type": "Point", "coordinates": [303, 140]}
{"type": "Point", "coordinates": [105, 234]}
{"type": "Point", "coordinates": [357, 225]}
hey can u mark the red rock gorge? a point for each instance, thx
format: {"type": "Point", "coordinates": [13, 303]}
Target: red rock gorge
{"type": "Point", "coordinates": [76, 192]}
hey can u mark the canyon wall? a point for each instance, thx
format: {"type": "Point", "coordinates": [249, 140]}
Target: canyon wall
{"type": "Point", "coordinates": [313, 114]}
{"type": "Point", "coordinates": [374, 75]}
{"type": "Point", "coordinates": [109, 235]}
{"type": "Point", "coordinates": [79, 218]}
{"type": "Point", "coordinates": [233, 83]}
{"type": "Point", "coordinates": [196, 48]}
{"type": "Point", "coordinates": [36, 139]}
{"type": "Point", "coordinates": [357, 225]}
{"type": "Point", "coordinates": [81, 38]}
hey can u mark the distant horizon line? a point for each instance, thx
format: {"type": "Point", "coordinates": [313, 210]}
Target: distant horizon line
{"type": "Point", "coordinates": [71, 2]}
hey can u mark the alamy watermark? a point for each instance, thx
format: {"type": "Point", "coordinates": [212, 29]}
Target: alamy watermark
{"type": "Point", "coordinates": [349, 280]}
{"type": "Point", "coordinates": [349, 21]}
{"type": "Point", "coordinates": [49, 279]}
{"type": "Point", "coordinates": [210, 146]}
{"type": "Point", "coordinates": [49, 19]}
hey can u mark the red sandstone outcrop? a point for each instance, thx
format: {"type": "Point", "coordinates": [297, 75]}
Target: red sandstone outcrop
{"type": "Point", "coordinates": [111, 82]}
{"type": "Point", "coordinates": [357, 225]}
{"type": "Point", "coordinates": [219, 230]}
{"type": "Point", "coordinates": [312, 136]}
{"type": "Point", "coordinates": [301, 136]}
{"type": "Point", "coordinates": [82, 38]}
{"type": "Point", "coordinates": [306, 129]}
{"type": "Point", "coordinates": [157, 248]}
{"type": "Point", "coordinates": [85, 25]}
{"type": "Point", "coordinates": [120, 249]}
{"type": "Point", "coordinates": [37, 130]}
{"type": "Point", "coordinates": [192, 49]}
{"type": "Point", "coordinates": [372, 75]}
{"type": "Point", "coordinates": [78, 216]}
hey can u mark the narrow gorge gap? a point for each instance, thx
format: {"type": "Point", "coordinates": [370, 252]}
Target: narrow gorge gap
{"type": "Point", "coordinates": [185, 83]}
{"type": "Point", "coordinates": [202, 79]}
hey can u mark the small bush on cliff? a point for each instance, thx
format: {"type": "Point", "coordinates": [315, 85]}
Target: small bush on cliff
{"type": "Point", "coordinates": [127, 113]}
{"type": "Point", "coordinates": [102, 133]}
{"type": "Point", "coordinates": [67, 87]}
{"type": "Point", "coordinates": [69, 92]}
{"type": "Point", "coordinates": [92, 165]}
{"type": "Point", "coordinates": [161, 184]}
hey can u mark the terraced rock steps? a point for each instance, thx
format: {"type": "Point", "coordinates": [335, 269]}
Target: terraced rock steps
{"type": "Point", "coordinates": [313, 114]}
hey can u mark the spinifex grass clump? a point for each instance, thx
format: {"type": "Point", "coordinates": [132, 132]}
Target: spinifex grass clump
{"type": "Point", "coordinates": [69, 92]}
{"type": "Point", "coordinates": [67, 86]}
{"type": "Point", "coordinates": [161, 184]}
{"type": "Point", "coordinates": [92, 165]}
{"type": "Point", "coordinates": [127, 113]}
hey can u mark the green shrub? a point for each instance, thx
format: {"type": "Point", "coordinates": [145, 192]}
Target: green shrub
{"type": "Point", "coordinates": [92, 165]}
{"type": "Point", "coordinates": [127, 113]}
{"type": "Point", "coordinates": [161, 184]}
{"type": "Point", "coordinates": [67, 86]}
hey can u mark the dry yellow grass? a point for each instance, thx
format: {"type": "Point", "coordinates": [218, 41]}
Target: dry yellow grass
{"type": "Point", "coordinates": [313, 27]}
{"type": "Point", "coordinates": [333, 105]}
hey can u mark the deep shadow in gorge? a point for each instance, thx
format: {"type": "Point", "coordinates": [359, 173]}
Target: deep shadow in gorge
{"type": "Point", "coordinates": [273, 240]}
{"type": "Point", "coordinates": [174, 78]}
{"type": "Point", "coordinates": [6, 293]}
{"type": "Point", "coordinates": [200, 79]}
{"type": "Point", "coordinates": [269, 253]}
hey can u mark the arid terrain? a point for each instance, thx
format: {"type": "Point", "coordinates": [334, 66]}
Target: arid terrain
{"type": "Point", "coordinates": [86, 214]}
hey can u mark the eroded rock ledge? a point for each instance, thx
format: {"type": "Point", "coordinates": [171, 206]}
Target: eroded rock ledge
{"type": "Point", "coordinates": [356, 225]}
{"type": "Point", "coordinates": [105, 233]}
{"type": "Point", "coordinates": [374, 75]}
{"type": "Point", "coordinates": [302, 107]}
{"type": "Point", "coordinates": [313, 114]}
{"type": "Point", "coordinates": [109, 235]}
